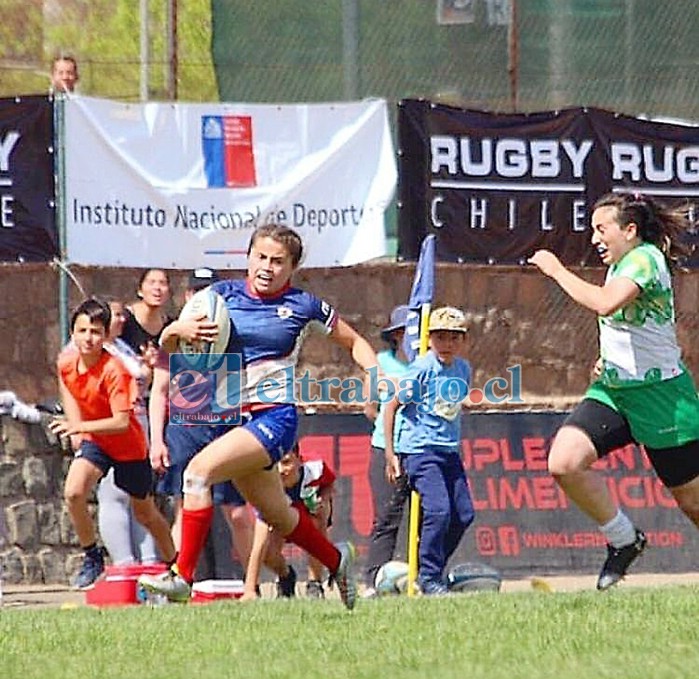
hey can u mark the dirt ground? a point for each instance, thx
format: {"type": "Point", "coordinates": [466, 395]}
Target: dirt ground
{"type": "Point", "coordinates": [56, 596]}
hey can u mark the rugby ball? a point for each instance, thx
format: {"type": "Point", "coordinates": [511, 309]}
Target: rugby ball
{"type": "Point", "coordinates": [210, 304]}
{"type": "Point", "coordinates": [474, 577]}
{"type": "Point", "coordinates": [391, 578]}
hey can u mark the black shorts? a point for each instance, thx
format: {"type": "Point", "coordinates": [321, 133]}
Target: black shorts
{"type": "Point", "coordinates": [609, 430]}
{"type": "Point", "coordinates": [133, 477]}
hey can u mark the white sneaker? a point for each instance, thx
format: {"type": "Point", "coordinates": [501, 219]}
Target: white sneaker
{"type": "Point", "coordinates": [344, 577]}
{"type": "Point", "coordinates": [170, 584]}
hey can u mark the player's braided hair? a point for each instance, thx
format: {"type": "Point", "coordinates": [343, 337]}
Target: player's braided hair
{"type": "Point", "coordinates": [667, 228]}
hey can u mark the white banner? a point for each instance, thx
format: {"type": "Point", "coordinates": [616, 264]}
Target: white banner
{"type": "Point", "coordinates": [184, 185]}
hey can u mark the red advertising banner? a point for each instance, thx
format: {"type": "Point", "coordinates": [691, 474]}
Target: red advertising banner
{"type": "Point", "coordinates": [524, 524]}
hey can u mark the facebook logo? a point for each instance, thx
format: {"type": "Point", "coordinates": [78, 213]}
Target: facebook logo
{"type": "Point", "coordinates": [205, 389]}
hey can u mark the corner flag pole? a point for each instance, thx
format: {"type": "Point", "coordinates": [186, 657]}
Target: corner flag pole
{"type": "Point", "coordinates": [415, 343]}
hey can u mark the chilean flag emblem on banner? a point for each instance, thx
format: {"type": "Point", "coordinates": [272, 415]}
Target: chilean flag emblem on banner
{"type": "Point", "coordinates": [229, 157]}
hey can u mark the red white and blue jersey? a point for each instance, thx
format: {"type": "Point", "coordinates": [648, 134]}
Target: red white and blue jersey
{"type": "Point", "coordinates": [268, 333]}
{"type": "Point", "coordinates": [314, 476]}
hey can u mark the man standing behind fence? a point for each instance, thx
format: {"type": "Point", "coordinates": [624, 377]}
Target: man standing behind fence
{"type": "Point", "coordinates": [64, 74]}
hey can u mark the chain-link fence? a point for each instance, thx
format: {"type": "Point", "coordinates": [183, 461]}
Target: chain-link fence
{"type": "Point", "coordinates": [632, 56]}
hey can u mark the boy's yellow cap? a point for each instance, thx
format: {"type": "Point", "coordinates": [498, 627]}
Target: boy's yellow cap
{"type": "Point", "coordinates": [447, 318]}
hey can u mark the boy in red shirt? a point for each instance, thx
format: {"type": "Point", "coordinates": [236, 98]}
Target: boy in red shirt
{"type": "Point", "coordinates": [98, 395]}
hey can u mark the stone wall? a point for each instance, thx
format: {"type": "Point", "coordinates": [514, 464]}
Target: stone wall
{"type": "Point", "coordinates": [37, 542]}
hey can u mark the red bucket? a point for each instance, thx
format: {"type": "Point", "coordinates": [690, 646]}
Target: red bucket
{"type": "Point", "coordinates": [117, 586]}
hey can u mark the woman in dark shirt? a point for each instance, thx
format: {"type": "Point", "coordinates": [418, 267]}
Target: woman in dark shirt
{"type": "Point", "coordinates": [145, 318]}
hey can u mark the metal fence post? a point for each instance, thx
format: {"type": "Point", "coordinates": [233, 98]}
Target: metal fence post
{"type": "Point", "coordinates": [350, 48]}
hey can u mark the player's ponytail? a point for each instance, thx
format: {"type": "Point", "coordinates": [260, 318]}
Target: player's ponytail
{"type": "Point", "coordinates": [666, 228]}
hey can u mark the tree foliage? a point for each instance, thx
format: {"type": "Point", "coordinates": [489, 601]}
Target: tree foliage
{"type": "Point", "coordinates": [105, 38]}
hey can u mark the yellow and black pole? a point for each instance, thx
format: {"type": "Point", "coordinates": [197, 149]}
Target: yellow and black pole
{"type": "Point", "coordinates": [414, 523]}
{"type": "Point", "coordinates": [416, 337]}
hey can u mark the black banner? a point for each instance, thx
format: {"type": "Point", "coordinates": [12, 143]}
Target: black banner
{"type": "Point", "coordinates": [524, 523]}
{"type": "Point", "coordinates": [27, 217]}
{"type": "Point", "coordinates": [496, 187]}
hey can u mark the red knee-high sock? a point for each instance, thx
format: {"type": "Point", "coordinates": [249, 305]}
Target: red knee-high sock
{"type": "Point", "coordinates": [308, 537]}
{"type": "Point", "coordinates": [195, 528]}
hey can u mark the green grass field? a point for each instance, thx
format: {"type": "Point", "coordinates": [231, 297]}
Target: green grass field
{"type": "Point", "coordinates": [623, 634]}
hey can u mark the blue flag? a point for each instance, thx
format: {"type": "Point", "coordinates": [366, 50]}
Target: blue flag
{"type": "Point", "coordinates": [421, 296]}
